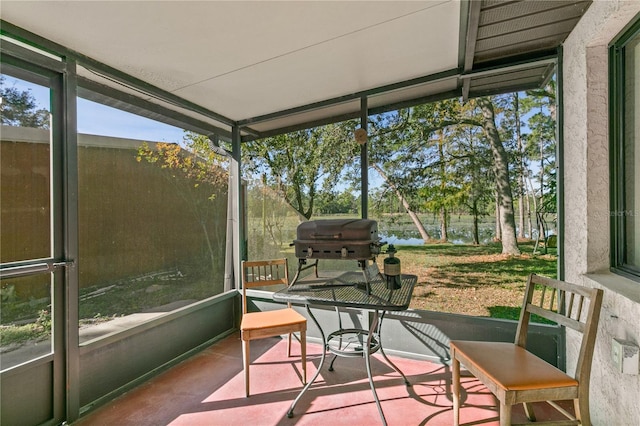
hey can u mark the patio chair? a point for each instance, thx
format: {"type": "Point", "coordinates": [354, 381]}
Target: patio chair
{"type": "Point", "coordinates": [515, 375]}
{"type": "Point", "coordinates": [259, 325]}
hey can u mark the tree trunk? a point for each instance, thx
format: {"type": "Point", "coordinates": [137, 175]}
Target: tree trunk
{"type": "Point", "coordinates": [443, 225]}
{"type": "Point", "coordinates": [498, 236]}
{"type": "Point", "coordinates": [529, 224]}
{"type": "Point", "coordinates": [501, 167]}
{"type": "Point", "coordinates": [541, 171]}
{"type": "Point", "coordinates": [529, 196]}
{"type": "Point", "coordinates": [443, 184]}
{"type": "Point", "coordinates": [521, 213]}
{"type": "Point", "coordinates": [476, 233]}
{"type": "Point", "coordinates": [535, 208]}
{"type": "Point", "coordinates": [521, 191]}
{"type": "Point", "coordinates": [414, 217]}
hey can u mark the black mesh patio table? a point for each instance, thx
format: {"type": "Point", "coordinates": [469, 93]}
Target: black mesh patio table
{"type": "Point", "coordinates": [350, 290]}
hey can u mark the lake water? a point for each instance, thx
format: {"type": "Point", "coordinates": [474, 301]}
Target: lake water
{"type": "Point", "coordinates": [458, 233]}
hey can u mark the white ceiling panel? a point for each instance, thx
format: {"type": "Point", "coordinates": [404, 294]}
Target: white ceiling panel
{"type": "Point", "coordinates": [389, 52]}
{"type": "Point", "coordinates": [242, 59]}
{"type": "Point", "coordinates": [270, 64]}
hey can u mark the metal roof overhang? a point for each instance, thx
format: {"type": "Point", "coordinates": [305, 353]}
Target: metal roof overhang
{"type": "Point", "coordinates": [271, 67]}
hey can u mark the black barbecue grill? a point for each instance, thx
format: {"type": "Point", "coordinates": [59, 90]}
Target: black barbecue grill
{"type": "Point", "coordinates": [338, 239]}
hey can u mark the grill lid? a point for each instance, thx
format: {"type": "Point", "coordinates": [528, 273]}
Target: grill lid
{"type": "Point", "coordinates": [339, 229]}
{"type": "Point", "coordinates": [338, 239]}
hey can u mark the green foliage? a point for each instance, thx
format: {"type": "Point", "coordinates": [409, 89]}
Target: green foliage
{"type": "Point", "coordinates": [435, 158]}
{"type": "Point", "coordinates": [513, 313]}
{"type": "Point", "coordinates": [16, 334]}
{"type": "Point", "coordinates": [19, 108]}
{"type": "Point", "coordinates": [333, 202]}
{"type": "Point", "coordinates": [426, 155]}
{"type": "Point", "coordinates": [267, 216]}
{"type": "Point", "coordinates": [299, 165]}
{"type": "Point", "coordinates": [194, 163]}
{"type": "Point", "coordinates": [437, 152]}
{"type": "Point", "coordinates": [44, 321]}
{"type": "Point", "coordinates": [452, 260]}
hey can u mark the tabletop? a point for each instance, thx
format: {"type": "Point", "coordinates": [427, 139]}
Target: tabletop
{"type": "Point", "coordinates": [348, 289]}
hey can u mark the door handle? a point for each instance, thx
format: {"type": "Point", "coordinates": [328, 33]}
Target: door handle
{"type": "Point", "coordinates": [65, 264]}
{"type": "Point", "coordinates": [34, 268]}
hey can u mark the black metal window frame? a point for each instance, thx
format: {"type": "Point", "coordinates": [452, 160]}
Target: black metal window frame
{"type": "Point", "coordinates": [618, 210]}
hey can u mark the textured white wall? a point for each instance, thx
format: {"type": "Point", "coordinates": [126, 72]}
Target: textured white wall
{"type": "Point", "coordinates": [615, 398]}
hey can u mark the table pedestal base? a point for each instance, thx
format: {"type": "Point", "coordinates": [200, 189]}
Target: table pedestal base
{"type": "Point", "coordinates": [344, 348]}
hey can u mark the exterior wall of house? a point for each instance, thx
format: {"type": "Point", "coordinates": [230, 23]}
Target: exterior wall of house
{"type": "Point", "coordinates": [614, 396]}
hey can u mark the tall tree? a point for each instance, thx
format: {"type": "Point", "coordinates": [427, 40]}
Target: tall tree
{"type": "Point", "coordinates": [299, 164]}
{"type": "Point", "coordinates": [394, 154]}
{"type": "Point", "coordinates": [473, 169]}
{"type": "Point", "coordinates": [520, 167]}
{"type": "Point", "coordinates": [503, 181]}
{"type": "Point", "coordinates": [442, 189]}
{"type": "Point", "coordinates": [541, 145]}
{"type": "Point", "coordinates": [456, 113]}
{"type": "Point", "coordinates": [444, 180]}
{"type": "Point", "coordinates": [410, 152]}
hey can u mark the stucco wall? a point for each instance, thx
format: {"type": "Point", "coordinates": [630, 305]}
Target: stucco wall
{"type": "Point", "coordinates": [614, 396]}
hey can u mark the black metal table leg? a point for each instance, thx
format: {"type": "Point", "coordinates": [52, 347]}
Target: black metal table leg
{"type": "Point", "coordinates": [310, 382]}
{"type": "Point", "coordinates": [384, 355]}
{"type": "Point", "coordinates": [367, 360]}
{"type": "Point", "coordinates": [340, 343]}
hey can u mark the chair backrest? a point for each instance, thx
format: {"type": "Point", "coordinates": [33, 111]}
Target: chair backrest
{"type": "Point", "coordinates": [568, 305]}
{"type": "Point", "coordinates": [262, 273]}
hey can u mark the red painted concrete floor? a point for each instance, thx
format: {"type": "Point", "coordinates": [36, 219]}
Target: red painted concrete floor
{"type": "Point", "coordinates": [208, 389]}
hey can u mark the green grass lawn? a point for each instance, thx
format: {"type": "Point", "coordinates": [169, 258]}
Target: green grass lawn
{"type": "Point", "coordinates": [473, 280]}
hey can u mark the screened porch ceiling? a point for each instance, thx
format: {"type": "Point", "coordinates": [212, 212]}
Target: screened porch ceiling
{"type": "Point", "coordinates": [276, 66]}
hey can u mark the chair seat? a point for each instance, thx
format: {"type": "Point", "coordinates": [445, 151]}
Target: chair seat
{"type": "Point", "coordinates": [512, 367]}
{"type": "Point", "coordinates": [280, 317]}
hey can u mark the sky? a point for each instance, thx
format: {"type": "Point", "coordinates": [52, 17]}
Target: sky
{"type": "Point", "coordinates": [98, 119]}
